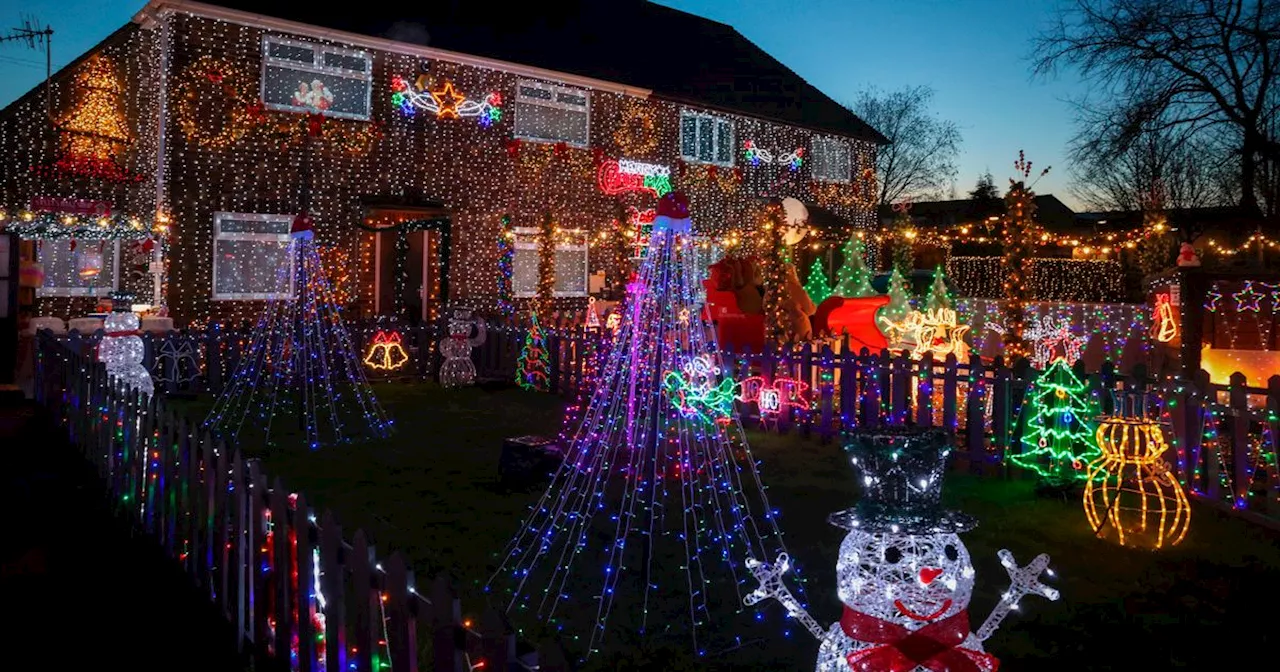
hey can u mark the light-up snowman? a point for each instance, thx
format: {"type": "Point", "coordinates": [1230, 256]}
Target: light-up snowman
{"type": "Point", "coordinates": [903, 574]}
{"type": "Point", "coordinates": [457, 369]}
{"type": "Point", "coordinates": [122, 349]}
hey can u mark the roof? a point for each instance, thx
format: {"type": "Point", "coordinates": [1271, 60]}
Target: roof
{"type": "Point", "coordinates": [1052, 213]}
{"type": "Point", "coordinates": [688, 59]}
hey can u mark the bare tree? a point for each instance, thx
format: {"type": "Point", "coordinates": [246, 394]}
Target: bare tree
{"type": "Point", "coordinates": [1198, 66]}
{"type": "Point", "coordinates": [1160, 170]}
{"type": "Point", "coordinates": [920, 162]}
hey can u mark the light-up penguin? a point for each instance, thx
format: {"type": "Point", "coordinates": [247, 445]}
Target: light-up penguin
{"type": "Point", "coordinates": [903, 574]}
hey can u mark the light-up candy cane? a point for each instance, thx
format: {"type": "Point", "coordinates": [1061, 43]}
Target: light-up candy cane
{"type": "Point", "coordinates": [1025, 581]}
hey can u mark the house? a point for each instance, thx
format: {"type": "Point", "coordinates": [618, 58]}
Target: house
{"type": "Point", "coordinates": [1052, 213]}
{"type": "Point", "coordinates": [422, 139]}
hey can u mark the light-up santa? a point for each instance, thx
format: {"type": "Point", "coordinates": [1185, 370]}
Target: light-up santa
{"type": "Point", "coordinates": [903, 574]}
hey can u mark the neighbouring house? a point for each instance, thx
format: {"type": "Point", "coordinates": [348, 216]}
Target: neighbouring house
{"type": "Point", "coordinates": [421, 139]}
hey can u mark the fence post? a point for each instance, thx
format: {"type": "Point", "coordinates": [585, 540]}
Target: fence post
{"type": "Point", "coordinates": [950, 393]}
{"type": "Point", "coordinates": [975, 416]}
{"type": "Point", "coordinates": [304, 596]}
{"type": "Point", "coordinates": [280, 568]}
{"type": "Point", "coordinates": [924, 390]}
{"type": "Point", "coordinates": [364, 601]}
{"type": "Point", "coordinates": [497, 643]}
{"type": "Point", "coordinates": [333, 585]}
{"type": "Point", "coordinates": [446, 618]}
{"type": "Point", "coordinates": [826, 393]}
{"type": "Point", "coordinates": [1273, 419]}
{"type": "Point", "coordinates": [848, 386]}
{"type": "Point", "coordinates": [401, 627]}
{"type": "Point", "coordinates": [1001, 408]}
{"type": "Point", "coordinates": [1241, 479]}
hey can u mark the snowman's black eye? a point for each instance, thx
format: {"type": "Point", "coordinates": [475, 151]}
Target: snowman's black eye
{"type": "Point", "coordinates": [892, 555]}
{"type": "Point", "coordinates": [951, 553]}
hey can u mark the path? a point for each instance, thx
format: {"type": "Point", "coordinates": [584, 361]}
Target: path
{"type": "Point", "coordinates": [78, 590]}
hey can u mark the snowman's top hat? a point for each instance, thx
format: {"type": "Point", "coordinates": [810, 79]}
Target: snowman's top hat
{"type": "Point", "coordinates": [901, 472]}
{"type": "Point", "coordinates": [122, 302]}
{"type": "Point", "coordinates": [673, 214]}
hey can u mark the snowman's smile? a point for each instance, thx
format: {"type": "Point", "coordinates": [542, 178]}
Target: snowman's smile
{"type": "Point", "coordinates": [905, 611]}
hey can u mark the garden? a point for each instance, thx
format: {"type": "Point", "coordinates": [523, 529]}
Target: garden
{"type": "Point", "coordinates": [432, 491]}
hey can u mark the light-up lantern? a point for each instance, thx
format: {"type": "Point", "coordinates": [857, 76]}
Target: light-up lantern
{"type": "Point", "coordinates": [1131, 497]}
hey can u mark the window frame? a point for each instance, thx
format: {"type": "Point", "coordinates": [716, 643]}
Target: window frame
{"type": "Point", "coordinates": [317, 67]}
{"type": "Point", "coordinates": [96, 290]}
{"type": "Point", "coordinates": [687, 113]}
{"type": "Point", "coordinates": [824, 142]}
{"type": "Point", "coordinates": [526, 238]}
{"type": "Point", "coordinates": [556, 104]}
{"type": "Point", "coordinates": [218, 218]}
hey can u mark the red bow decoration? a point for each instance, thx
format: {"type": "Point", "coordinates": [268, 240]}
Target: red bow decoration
{"type": "Point", "coordinates": [387, 338]}
{"type": "Point", "coordinates": [935, 647]}
{"type": "Point", "coordinates": [513, 148]}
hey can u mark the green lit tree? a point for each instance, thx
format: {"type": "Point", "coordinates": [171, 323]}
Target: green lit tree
{"type": "Point", "coordinates": [534, 368]}
{"type": "Point", "coordinates": [817, 285]}
{"type": "Point", "coordinates": [939, 297]}
{"type": "Point", "coordinates": [899, 298]}
{"type": "Point", "coordinates": [1058, 441]}
{"type": "Point", "coordinates": [853, 280]}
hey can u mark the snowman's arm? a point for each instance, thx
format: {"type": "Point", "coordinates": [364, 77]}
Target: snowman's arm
{"type": "Point", "coordinates": [771, 585]}
{"type": "Point", "coordinates": [1026, 580]}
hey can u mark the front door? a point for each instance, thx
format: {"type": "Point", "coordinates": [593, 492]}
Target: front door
{"type": "Point", "coordinates": [407, 274]}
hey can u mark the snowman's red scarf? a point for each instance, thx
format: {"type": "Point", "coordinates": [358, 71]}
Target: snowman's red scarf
{"type": "Point", "coordinates": [935, 647]}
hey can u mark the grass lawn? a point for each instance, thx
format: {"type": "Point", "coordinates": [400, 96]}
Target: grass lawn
{"type": "Point", "coordinates": [432, 493]}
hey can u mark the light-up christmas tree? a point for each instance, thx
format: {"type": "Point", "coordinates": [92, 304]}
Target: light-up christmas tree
{"type": "Point", "coordinates": [853, 280]}
{"type": "Point", "coordinates": [899, 298]}
{"type": "Point", "coordinates": [658, 495]}
{"type": "Point", "coordinates": [939, 298]}
{"type": "Point", "coordinates": [300, 377]}
{"type": "Point", "coordinates": [533, 369]}
{"type": "Point", "coordinates": [95, 128]}
{"type": "Point", "coordinates": [816, 285]}
{"type": "Point", "coordinates": [1058, 441]}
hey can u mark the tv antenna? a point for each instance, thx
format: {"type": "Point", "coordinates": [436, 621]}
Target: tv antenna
{"type": "Point", "coordinates": [36, 37]}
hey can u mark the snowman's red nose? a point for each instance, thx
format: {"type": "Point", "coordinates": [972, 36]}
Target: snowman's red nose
{"type": "Point", "coordinates": [928, 574]}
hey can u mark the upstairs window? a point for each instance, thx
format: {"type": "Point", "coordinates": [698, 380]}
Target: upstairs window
{"type": "Point", "coordinates": [831, 160]}
{"type": "Point", "coordinates": [550, 113]}
{"type": "Point", "coordinates": [315, 78]}
{"type": "Point", "coordinates": [706, 139]}
{"type": "Point", "coordinates": [570, 270]}
{"type": "Point", "coordinates": [251, 257]}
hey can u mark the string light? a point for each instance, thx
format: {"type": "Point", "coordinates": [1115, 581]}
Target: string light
{"type": "Point", "coordinates": [385, 352]}
{"type": "Point", "coordinates": [1131, 497]}
{"type": "Point", "coordinates": [1058, 442]}
{"type": "Point", "coordinates": [640, 470]}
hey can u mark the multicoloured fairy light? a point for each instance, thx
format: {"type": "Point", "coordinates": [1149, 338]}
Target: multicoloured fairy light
{"type": "Point", "coordinates": [1247, 298]}
{"type": "Point", "coordinates": [444, 101]}
{"type": "Point", "coordinates": [1212, 297]}
{"type": "Point", "coordinates": [300, 363]}
{"type": "Point", "coordinates": [640, 472]}
{"type": "Point", "coordinates": [697, 389]}
{"type": "Point", "coordinates": [1059, 441]}
{"type": "Point", "coordinates": [756, 155]}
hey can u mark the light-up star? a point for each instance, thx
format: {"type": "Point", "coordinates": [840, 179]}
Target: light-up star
{"type": "Point", "coordinates": [447, 101]}
{"type": "Point", "coordinates": [1213, 296]}
{"type": "Point", "coordinates": [1247, 298]}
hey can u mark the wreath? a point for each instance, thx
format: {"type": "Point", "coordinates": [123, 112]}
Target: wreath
{"type": "Point", "coordinates": [213, 79]}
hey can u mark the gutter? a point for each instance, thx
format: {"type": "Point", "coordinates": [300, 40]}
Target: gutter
{"type": "Point", "coordinates": [154, 8]}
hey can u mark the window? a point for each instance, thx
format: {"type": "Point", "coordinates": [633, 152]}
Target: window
{"type": "Point", "coordinates": [550, 113]}
{"type": "Point", "coordinates": [251, 257]}
{"type": "Point", "coordinates": [706, 251]}
{"type": "Point", "coordinates": [570, 271]}
{"type": "Point", "coordinates": [308, 77]}
{"type": "Point", "coordinates": [62, 266]}
{"type": "Point", "coordinates": [706, 139]}
{"type": "Point", "coordinates": [830, 160]}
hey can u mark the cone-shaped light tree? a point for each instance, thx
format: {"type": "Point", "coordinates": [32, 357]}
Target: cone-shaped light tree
{"type": "Point", "coordinates": [854, 278]}
{"type": "Point", "coordinates": [658, 500]}
{"type": "Point", "coordinates": [939, 297]}
{"type": "Point", "coordinates": [300, 378]}
{"type": "Point", "coordinates": [816, 285]}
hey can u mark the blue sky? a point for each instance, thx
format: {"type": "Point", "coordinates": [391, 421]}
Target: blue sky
{"type": "Point", "coordinates": [972, 52]}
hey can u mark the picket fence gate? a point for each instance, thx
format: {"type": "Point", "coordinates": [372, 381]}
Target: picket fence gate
{"type": "Point", "coordinates": [299, 595]}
